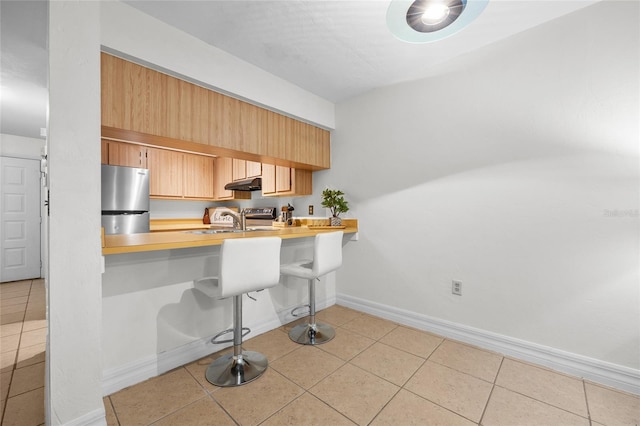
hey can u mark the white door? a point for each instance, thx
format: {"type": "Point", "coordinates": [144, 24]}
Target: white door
{"type": "Point", "coordinates": [19, 219]}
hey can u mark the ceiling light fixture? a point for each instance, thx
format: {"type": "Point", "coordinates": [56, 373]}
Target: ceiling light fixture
{"type": "Point", "coordinates": [423, 21]}
{"type": "Point", "coordinates": [427, 16]}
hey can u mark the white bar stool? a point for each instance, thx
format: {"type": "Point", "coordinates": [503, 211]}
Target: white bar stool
{"type": "Point", "coordinates": [327, 257]}
{"type": "Point", "coordinates": [246, 264]}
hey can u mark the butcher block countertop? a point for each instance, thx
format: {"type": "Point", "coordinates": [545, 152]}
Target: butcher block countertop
{"type": "Point", "coordinates": [181, 238]}
{"type": "Point", "coordinates": [160, 225]}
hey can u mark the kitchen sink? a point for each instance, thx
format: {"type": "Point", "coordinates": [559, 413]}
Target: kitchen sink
{"type": "Point", "coordinates": [219, 231]}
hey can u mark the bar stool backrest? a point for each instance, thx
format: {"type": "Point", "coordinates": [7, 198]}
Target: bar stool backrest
{"type": "Point", "coordinates": [249, 264]}
{"type": "Point", "coordinates": [327, 253]}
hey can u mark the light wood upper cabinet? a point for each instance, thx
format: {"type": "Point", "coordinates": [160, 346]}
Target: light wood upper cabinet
{"type": "Point", "coordinates": [124, 154]}
{"type": "Point", "coordinates": [125, 96]}
{"type": "Point", "coordinates": [165, 173]}
{"type": "Point", "coordinates": [239, 169]}
{"type": "Point", "coordinates": [285, 181]}
{"type": "Point", "coordinates": [139, 99]}
{"type": "Point", "coordinates": [268, 179]}
{"type": "Point", "coordinates": [198, 176]}
{"type": "Point", "coordinates": [187, 111]}
{"type": "Point", "coordinates": [249, 136]}
{"type": "Point", "coordinates": [224, 120]}
{"type": "Point", "coordinates": [253, 169]}
{"type": "Point", "coordinates": [104, 152]}
{"type": "Point", "coordinates": [243, 169]}
{"type": "Point", "coordinates": [223, 174]}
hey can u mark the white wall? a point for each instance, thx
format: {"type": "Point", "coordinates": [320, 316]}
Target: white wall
{"type": "Point", "coordinates": [74, 296]}
{"type": "Point", "coordinates": [129, 31]}
{"type": "Point", "coordinates": [516, 171]}
{"type": "Point", "coordinates": [20, 146]}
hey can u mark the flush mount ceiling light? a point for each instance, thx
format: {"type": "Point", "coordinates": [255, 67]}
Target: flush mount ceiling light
{"type": "Point", "coordinates": [427, 16]}
{"type": "Point", "coordinates": [424, 21]}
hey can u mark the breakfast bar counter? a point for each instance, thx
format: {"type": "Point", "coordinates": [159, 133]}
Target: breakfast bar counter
{"type": "Point", "coordinates": [133, 243]}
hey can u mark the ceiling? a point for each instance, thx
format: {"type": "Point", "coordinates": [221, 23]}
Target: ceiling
{"type": "Point", "coordinates": [340, 48]}
{"type": "Point", "coordinates": [335, 49]}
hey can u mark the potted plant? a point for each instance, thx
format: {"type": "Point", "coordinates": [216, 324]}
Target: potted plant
{"type": "Point", "coordinates": [334, 200]}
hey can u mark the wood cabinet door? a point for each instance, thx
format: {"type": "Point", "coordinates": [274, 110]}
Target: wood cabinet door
{"type": "Point", "coordinates": [275, 179]}
{"type": "Point", "coordinates": [223, 172]}
{"type": "Point", "coordinates": [127, 154]}
{"type": "Point", "coordinates": [239, 169]}
{"type": "Point", "coordinates": [268, 179]}
{"type": "Point", "coordinates": [104, 152]}
{"type": "Point", "coordinates": [280, 181]}
{"type": "Point", "coordinates": [249, 133]}
{"type": "Point", "coordinates": [253, 168]}
{"type": "Point", "coordinates": [123, 99]}
{"type": "Point", "coordinates": [301, 182]}
{"type": "Point", "coordinates": [198, 176]}
{"type": "Point", "coordinates": [166, 173]}
{"type": "Point", "coordinates": [283, 179]}
{"type": "Point", "coordinates": [243, 169]}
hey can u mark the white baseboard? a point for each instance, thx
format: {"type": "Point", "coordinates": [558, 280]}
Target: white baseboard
{"type": "Point", "coordinates": [118, 378]}
{"type": "Point", "coordinates": [616, 376]}
{"type": "Point", "coordinates": [93, 418]}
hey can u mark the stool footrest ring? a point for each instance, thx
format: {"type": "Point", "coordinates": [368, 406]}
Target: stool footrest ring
{"type": "Point", "coordinates": [214, 339]}
{"type": "Point", "coordinates": [296, 314]}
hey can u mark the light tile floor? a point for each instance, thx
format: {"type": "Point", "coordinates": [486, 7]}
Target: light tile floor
{"type": "Point", "coordinates": [23, 333]}
{"type": "Point", "coordinates": [374, 372]}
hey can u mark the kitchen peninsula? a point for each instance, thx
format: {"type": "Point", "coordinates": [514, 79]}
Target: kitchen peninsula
{"type": "Point", "coordinates": [117, 244]}
{"type": "Point", "coordinates": [153, 317]}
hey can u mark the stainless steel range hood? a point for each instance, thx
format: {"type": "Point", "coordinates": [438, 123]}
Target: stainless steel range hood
{"type": "Point", "coordinates": [252, 184]}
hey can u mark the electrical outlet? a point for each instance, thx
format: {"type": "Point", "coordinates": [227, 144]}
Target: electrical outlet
{"type": "Point", "coordinates": [311, 209]}
{"type": "Point", "coordinates": [456, 287]}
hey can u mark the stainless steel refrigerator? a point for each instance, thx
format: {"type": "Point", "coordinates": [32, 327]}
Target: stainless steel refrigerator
{"type": "Point", "coordinates": [125, 200]}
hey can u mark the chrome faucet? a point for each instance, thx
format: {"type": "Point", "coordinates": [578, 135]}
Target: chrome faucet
{"type": "Point", "coordinates": [239, 219]}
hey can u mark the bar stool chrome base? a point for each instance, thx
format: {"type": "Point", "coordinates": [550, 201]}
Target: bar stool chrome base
{"type": "Point", "coordinates": [229, 370]}
{"type": "Point", "coordinates": [308, 334]}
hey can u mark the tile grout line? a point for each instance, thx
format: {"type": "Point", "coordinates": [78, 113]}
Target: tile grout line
{"type": "Point", "coordinates": [420, 396]}
{"type": "Point", "coordinates": [588, 418]}
{"type": "Point", "coordinates": [586, 402]}
{"type": "Point", "coordinates": [493, 387]}
{"type": "Point", "coordinates": [113, 408]}
{"type": "Point", "coordinates": [209, 394]}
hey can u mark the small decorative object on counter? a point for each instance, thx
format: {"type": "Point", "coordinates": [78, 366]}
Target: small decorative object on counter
{"type": "Point", "coordinates": [206, 219]}
{"type": "Point", "coordinates": [334, 200]}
